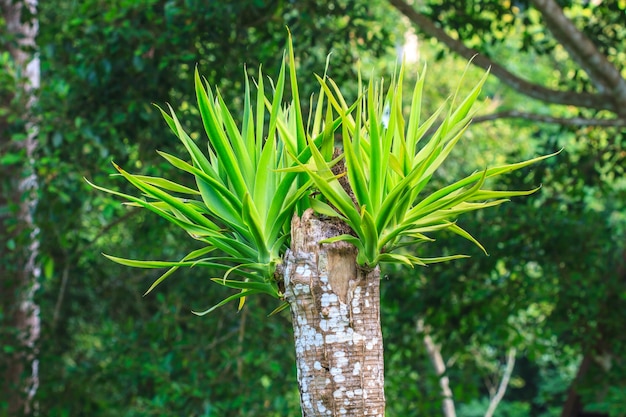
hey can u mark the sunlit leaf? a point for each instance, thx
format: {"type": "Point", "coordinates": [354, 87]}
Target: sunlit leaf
{"type": "Point", "coordinates": [227, 300]}
{"type": "Point", "coordinates": [252, 178]}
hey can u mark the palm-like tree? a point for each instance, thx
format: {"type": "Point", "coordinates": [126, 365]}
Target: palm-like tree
{"type": "Point", "coordinates": [281, 211]}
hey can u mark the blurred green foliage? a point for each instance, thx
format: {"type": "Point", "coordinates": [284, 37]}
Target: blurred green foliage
{"type": "Point", "coordinates": [552, 286]}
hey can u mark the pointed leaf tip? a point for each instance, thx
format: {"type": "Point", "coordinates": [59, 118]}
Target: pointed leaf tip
{"type": "Point", "coordinates": [279, 309]}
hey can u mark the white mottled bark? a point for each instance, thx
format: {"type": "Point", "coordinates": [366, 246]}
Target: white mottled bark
{"type": "Point", "coordinates": [20, 279]}
{"type": "Point", "coordinates": [335, 308]}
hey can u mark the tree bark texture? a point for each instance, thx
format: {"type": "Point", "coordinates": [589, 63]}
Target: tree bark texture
{"type": "Point", "coordinates": [335, 308]}
{"type": "Point", "coordinates": [19, 245]}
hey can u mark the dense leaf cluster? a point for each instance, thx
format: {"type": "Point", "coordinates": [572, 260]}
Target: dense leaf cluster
{"type": "Point", "coordinates": [551, 285]}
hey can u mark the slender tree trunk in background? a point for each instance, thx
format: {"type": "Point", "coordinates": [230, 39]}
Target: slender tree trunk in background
{"type": "Point", "coordinates": [335, 308]}
{"type": "Point", "coordinates": [434, 353]}
{"type": "Point", "coordinates": [572, 404]}
{"type": "Point", "coordinates": [504, 383]}
{"type": "Point", "coordinates": [19, 271]}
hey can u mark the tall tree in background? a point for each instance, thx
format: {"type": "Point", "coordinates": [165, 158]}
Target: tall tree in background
{"type": "Point", "coordinates": [19, 271]}
{"type": "Point", "coordinates": [584, 47]}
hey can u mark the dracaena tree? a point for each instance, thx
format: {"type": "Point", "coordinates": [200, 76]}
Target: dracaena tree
{"type": "Point", "coordinates": [306, 209]}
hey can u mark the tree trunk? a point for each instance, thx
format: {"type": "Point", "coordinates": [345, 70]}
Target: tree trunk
{"type": "Point", "coordinates": [573, 407]}
{"type": "Point", "coordinates": [434, 353]}
{"type": "Point", "coordinates": [19, 245]}
{"type": "Point", "coordinates": [335, 308]}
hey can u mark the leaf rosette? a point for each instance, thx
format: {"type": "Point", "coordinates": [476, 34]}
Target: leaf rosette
{"type": "Point", "coordinates": [253, 178]}
{"type": "Point", "coordinates": [389, 168]}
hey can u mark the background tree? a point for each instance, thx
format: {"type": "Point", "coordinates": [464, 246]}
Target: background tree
{"type": "Point", "coordinates": [19, 269]}
{"type": "Point", "coordinates": [583, 38]}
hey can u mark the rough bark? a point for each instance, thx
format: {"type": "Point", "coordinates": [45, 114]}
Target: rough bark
{"type": "Point", "coordinates": [335, 308]}
{"type": "Point", "coordinates": [19, 270]}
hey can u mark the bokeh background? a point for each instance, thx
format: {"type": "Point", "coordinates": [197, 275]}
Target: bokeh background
{"type": "Point", "coordinates": [541, 320]}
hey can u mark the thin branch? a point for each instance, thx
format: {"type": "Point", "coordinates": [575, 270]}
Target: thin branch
{"type": "Point", "coordinates": [599, 101]}
{"type": "Point", "coordinates": [544, 118]}
{"type": "Point", "coordinates": [504, 383]}
{"type": "Point", "coordinates": [604, 75]}
{"type": "Point", "coordinates": [57, 307]}
{"type": "Point", "coordinates": [70, 260]}
{"type": "Point", "coordinates": [106, 229]}
{"type": "Point", "coordinates": [434, 353]}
